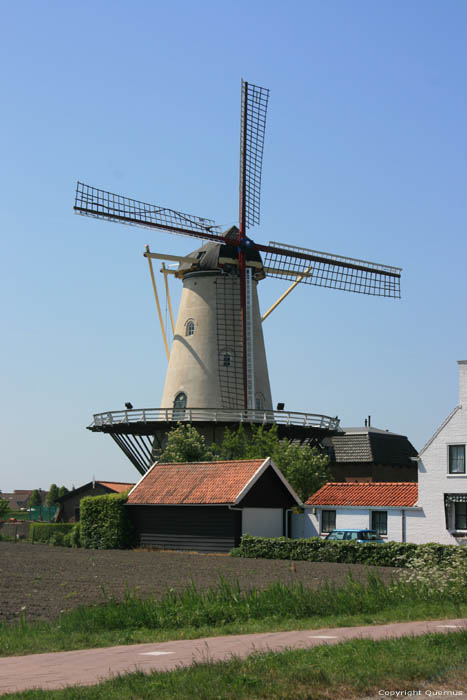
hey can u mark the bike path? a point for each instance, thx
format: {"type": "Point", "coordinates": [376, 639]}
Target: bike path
{"type": "Point", "coordinates": [90, 666]}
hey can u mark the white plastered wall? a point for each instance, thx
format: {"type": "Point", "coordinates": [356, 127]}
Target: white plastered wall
{"type": "Point", "coordinates": [194, 360]}
{"type": "Point", "coordinates": [308, 524]}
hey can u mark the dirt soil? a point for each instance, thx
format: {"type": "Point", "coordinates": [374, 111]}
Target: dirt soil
{"type": "Point", "coordinates": [43, 581]}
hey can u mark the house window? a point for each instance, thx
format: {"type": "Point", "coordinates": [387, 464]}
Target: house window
{"type": "Point", "coordinates": [226, 359]}
{"type": "Point", "coordinates": [179, 406]}
{"type": "Point", "coordinates": [457, 459]}
{"type": "Point", "coordinates": [379, 521]}
{"type": "Point", "coordinates": [190, 327]}
{"type": "Point", "coordinates": [328, 520]}
{"type": "Point", "coordinates": [460, 516]}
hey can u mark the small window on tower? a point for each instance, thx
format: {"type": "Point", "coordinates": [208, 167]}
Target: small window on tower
{"type": "Point", "coordinates": [226, 359]}
{"type": "Point", "coordinates": [190, 327]}
{"type": "Point", "coordinates": [259, 402]}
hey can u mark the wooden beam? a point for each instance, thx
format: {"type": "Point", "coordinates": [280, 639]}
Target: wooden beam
{"type": "Point", "coordinates": [149, 255]}
{"type": "Point", "coordinates": [163, 256]}
{"type": "Point", "coordinates": [286, 293]}
{"type": "Point", "coordinates": [169, 301]}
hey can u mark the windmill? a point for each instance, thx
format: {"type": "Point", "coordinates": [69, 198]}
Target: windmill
{"type": "Point", "coordinates": [235, 260]}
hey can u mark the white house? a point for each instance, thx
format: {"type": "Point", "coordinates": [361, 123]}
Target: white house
{"type": "Point", "coordinates": [380, 506]}
{"type": "Point", "coordinates": [442, 479]}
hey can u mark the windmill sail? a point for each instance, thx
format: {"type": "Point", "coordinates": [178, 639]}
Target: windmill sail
{"type": "Point", "coordinates": [328, 270]}
{"type": "Point", "coordinates": [90, 201]}
{"type": "Point", "coordinates": [254, 104]}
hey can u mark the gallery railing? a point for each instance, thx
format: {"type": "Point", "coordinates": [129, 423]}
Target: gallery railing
{"type": "Point", "coordinates": [224, 415]}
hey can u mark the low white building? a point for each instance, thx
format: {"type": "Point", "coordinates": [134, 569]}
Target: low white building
{"type": "Point", "coordinates": [382, 506]}
{"type": "Point", "coordinates": [442, 479]}
{"type": "Point", "coordinates": [439, 514]}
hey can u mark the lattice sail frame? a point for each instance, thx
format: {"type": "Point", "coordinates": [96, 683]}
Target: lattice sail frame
{"type": "Point", "coordinates": [254, 105]}
{"type": "Point", "coordinates": [334, 271]}
{"type": "Point", "coordinates": [91, 201]}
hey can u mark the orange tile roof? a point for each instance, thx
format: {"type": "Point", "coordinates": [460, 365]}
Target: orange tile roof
{"type": "Point", "coordinates": [117, 486]}
{"type": "Point", "coordinates": [195, 482]}
{"type": "Point", "coordinates": [395, 494]}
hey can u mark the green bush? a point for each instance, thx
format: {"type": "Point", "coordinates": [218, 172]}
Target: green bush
{"type": "Point", "coordinates": [75, 536]}
{"type": "Point", "coordinates": [105, 523]}
{"type": "Point", "coordinates": [398, 554]}
{"type": "Point", "coordinates": [49, 533]}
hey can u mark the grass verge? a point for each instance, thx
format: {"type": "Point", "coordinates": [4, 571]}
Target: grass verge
{"type": "Point", "coordinates": [434, 662]}
{"type": "Point", "coordinates": [226, 609]}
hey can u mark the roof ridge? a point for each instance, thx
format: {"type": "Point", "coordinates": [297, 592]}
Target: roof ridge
{"type": "Point", "coordinates": [219, 461]}
{"type": "Point", "coordinates": [370, 483]}
{"type": "Point", "coordinates": [112, 481]}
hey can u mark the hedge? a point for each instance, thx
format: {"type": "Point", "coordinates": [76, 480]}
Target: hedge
{"type": "Point", "coordinates": [316, 549]}
{"type": "Point", "coordinates": [50, 533]}
{"type": "Point", "coordinates": [105, 523]}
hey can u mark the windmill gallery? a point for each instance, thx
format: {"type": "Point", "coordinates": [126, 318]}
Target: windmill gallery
{"type": "Point", "coordinates": [217, 374]}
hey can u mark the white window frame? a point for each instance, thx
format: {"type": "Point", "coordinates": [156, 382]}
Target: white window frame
{"type": "Point", "coordinates": [381, 534]}
{"type": "Point", "coordinates": [323, 511]}
{"type": "Point", "coordinates": [449, 472]}
{"type": "Point", "coordinates": [190, 327]}
{"type": "Point", "coordinates": [460, 529]}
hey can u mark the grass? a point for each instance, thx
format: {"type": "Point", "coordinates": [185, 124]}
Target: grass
{"type": "Point", "coordinates": [435, 662]}
{"type": "Point", "coordinates": [227, 609]}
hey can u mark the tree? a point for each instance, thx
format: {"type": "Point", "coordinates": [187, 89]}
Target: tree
{"type": "Point", "coordinates": [234, 445]}
{"type": "Point", "coordinates": [304, 467]}
{"type": "Point", "coordinates": [52, 496]}
{"type": "Point", "coordinates": [4, 509]}
{"type": "Point", "coordinates": [62, 491]}
{"type": "Point", "coordinates": [185, 444]}
{"type": "Point", "coordinates": [35, 499]}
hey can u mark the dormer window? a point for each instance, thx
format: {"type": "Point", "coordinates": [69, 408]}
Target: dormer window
{"type": "Point", "coordinates": [190, 327]}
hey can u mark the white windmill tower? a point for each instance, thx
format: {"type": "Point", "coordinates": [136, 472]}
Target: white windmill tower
{"type": "Point", "coordinates": [217, 374]}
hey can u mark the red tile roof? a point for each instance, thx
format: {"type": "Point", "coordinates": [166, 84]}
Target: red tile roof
{"type": "Point", "coordinates": [195, 482]}
{"type": "Point", "coordinates": [395, 494]}
{"type": "Point", "coordinates": [117, 486]}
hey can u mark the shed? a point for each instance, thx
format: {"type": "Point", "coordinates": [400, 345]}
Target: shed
{"type": "Point", "coordinates": [208, 506]}
{"type": "Point", "coordinates": [70, 503]}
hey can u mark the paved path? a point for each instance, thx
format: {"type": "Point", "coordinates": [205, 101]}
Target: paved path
{"type": "Point", "coordinates": [89, 666]}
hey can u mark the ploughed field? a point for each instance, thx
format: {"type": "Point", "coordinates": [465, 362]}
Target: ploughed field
{"type": "Point", "coordinates": [41, 581]}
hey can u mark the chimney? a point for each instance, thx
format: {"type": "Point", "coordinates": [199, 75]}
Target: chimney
{"type": "Point", "coordinates": [462, 382]}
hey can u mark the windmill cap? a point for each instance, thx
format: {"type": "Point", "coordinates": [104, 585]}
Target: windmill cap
{"type": "Point", "coordinates": [216, 257]}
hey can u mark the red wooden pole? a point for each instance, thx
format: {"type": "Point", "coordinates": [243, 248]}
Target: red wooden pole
{"type": "Point", "coordinates": [241, 236]}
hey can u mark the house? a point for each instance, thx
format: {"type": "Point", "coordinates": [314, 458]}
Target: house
{"type": "Point", "coordinates": [371, 454]}
{"type": "Point", "coordinates": [68, 511]}
{"type": "Point", "coordinates": [442, 478]}
{"type": "Point", "coordinates": [19, 498]}
{"type": "Point", "coordinates": [382, 506]}
{"type": "Point", "coordinates": [208, 506]}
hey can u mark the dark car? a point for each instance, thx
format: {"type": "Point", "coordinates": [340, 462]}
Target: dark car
{"type": "Point", "coordinates": [362, 536]}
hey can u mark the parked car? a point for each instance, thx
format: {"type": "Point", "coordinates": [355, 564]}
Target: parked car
{"type": "Point", "coordinates": [363, 536]}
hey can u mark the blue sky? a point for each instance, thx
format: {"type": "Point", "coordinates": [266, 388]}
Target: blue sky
{"type": "Point", "coordinates": [365, 155]}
